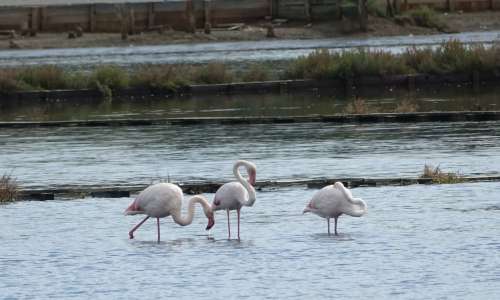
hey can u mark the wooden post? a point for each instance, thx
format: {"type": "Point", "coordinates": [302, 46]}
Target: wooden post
{"type": "Point", "coordinates": [34, 22]}
{"type": "Point", "coordinates": [42, 12]}
{"type": "Point", "coordinates": [363, 15]}
{"type": "Point", "coordinates": [92, 17]}
{"type": "Point", "coordinates": [191, 21]}
{"type": "Point", "coordinates": [151, 15]}
{"type": "Point", "coordinates": [450, 5]}
{"type": "Point", "coordinates": [207, 7]}
{"type": "Point", "coordinates": [307, 10]}
{"type": "Point", "coordinates": [131, 20]}
{"type": "Point", "coordinates": [274, 8]}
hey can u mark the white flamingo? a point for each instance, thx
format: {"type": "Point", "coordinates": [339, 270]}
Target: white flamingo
{"type": "Point", "coordinates": [236, 194]}
{"type": "Point", "coordinates": [165, 199]}
{"type": "Point", "coordinates": [334, 200]}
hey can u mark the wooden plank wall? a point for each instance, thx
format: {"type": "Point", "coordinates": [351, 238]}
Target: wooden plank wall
{"type": "Point", "coordinates": [182, 14]}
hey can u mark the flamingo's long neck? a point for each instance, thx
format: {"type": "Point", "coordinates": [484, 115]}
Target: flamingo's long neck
{"type": "Point", "coordinates": [357, 207]}
{"type": "Point", "coordinates": [250, 189]}
{"type": "Point", "coordinates": [188, 219]}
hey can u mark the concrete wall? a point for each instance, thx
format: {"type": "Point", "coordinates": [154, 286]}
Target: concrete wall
{"type": "Point", "coordinates": [103, 17]}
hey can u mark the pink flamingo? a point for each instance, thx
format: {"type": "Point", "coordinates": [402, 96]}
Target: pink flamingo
{"type": "Point", "coordinates": [236, 194]}
{"type": "Point", "coordinates": [334, 200]}
{"type": "Point", "coordinates": [165, 199]}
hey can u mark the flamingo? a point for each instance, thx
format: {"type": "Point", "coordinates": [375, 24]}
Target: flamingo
{"type": "Point", "coordinates": [234, 195]}
{"type": "Point", "coordinates": [334, 200]}
{"type": "Point", "coordinates": [165, 199]}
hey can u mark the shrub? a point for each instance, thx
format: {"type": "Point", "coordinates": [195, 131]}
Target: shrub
{"type": "Point", "coordinates": [112, 77]}
{"type": "Point", "coordinates": [256, 72]}
{"type": "Point", "coordinates": [161, 76]}
{"type": "Point", "coordinates": [211, 73]}
{"type": "Point", "coordinates": [438, 176]}
{"type": "Point", "coordinates": [44, 77]}
{"type": "Point", "coordinates": [406, 106]}
{"type": "Point", "coordinates": [8, 81]}
{"type": "Point", "coordinates": [357, 106]}
{"type": "Point", "coordinates": [8, 188]}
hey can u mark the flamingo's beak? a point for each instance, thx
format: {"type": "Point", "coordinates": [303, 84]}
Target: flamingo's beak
{"type": "Point", "coordinates": [306, 210]}
{"type": "Point", "coordinates": [211, 223]}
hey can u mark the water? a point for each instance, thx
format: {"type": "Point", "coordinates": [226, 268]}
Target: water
{"type": "Point", "coordinates": [225, 51]}
{"type": "Point", "coordinates": [140, 155]}
{"type": "Point", "coordinates": [313, 102]}
{"type": "Point", "coordinates": [416, 242]}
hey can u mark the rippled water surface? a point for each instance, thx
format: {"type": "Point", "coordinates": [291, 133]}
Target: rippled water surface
{"type": "Point", "coordinates": [416, 242]}
{"type": "Point", "coordinates": [141, 155]}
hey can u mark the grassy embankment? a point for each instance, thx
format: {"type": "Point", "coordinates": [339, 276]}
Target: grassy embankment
{"type": "Point", "coordinates": [451, 57]}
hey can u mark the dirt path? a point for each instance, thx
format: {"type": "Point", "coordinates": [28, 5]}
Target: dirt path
{"type": "Point", "coordinates": [479, 21]}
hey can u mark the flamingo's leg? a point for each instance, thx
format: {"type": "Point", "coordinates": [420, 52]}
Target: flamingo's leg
{"type": "Point", "coordinates": [228, 226]}
{"type": "Point", "coordinates": [158, 228]}
{"type": "Point", "coordinates": [131, 232]}
{"type": "Point", "coordinates": [238, 210]}
{"type": "Point", "coordinates": [336, 226]}
{"type": "Point", "coordinates": [328, 222]}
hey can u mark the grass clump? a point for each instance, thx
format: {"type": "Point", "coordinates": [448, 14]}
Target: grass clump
{"type": "Point", "coordinates": [113, 77]}
{"type": "Point", "coordinates": [357, 106]}
{"type": "Point", "coordinates": [8, 189]}
{"type": "Point", "coordinates": [256, 72]}
{"type": "Point", "coordinates": [438, 176]}
{"type": "Point", "coordinates": [211, 73]}
{"type": "Point", "coordinates": [406, 106]}
{"type": "Point", "coordinates": [321, 64]}
{"type": "Point", "coordinates": [168, 77]}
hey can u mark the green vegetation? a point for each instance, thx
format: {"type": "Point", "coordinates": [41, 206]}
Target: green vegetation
{"type": "Point", "coordinates": [8, 189]}
{"type": "Point", "coordinates": [450, 57]}
{"type": "Point", "coordinates": [438, 176]}
{"type": "Point", "coordinates": [425, 16]}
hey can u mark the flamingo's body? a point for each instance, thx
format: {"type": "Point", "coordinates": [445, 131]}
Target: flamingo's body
{"type": "Point", "coordinates": [234, 195]}
{"type": "Point", "coordinates": [333, 201]}
{"type": "Point", "coordinates": [165, 199]}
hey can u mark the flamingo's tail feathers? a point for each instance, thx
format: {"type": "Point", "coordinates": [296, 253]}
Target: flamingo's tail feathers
{"type": "Point", "coordinates": [133, 209]}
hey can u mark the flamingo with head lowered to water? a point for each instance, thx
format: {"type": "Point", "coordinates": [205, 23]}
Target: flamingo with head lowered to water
{"type": "Point", "coordinates": [234, 195]}
{"type": "Point", "coordinates": [165, 199]}
{"type": "Point", "coordinates": [333, 201]}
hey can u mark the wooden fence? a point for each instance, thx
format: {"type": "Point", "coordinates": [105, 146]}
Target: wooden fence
{"type": "Point", "coordinates": [189, 14]}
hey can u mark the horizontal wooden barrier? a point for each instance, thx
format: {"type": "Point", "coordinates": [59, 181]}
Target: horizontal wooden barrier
{"type": "Point", "coordinates": [210, 187]}
{"type": "Point", "coordinates": [453, 116]}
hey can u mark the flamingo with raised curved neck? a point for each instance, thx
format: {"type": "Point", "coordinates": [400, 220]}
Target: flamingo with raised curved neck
{"type": "Point", "coordinates": [165, 199]}
{"type": "Point", "coordinates": [236, 194]}
{"type": "Point", "coordinates": [333, 201]}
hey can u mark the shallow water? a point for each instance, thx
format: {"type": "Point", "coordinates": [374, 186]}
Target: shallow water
{"type": "Point", "coordinates": [315, 102]}
{"type": "Point", "coordinates": [416, 242]}
{"type": "Point", "coordinates": [225, 51]}
{"type": "Point", "coordinates": [141, 155]}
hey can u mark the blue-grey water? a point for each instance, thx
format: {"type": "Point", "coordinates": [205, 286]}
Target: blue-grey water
{"type": "Point", "coordinates": [416, 242]}
{"type": "Point", "coordinates": [226, 51]}
{"type": "Point", "coordinates": [40, 157]}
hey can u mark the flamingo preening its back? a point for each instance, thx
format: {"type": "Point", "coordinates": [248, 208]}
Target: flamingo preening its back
{"type": "Point", "coordinates": [333, 201]}
{"type": "Point", "coordinates": [165, 199]}
{"type": "Point", "coordinates": [234, 195]}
